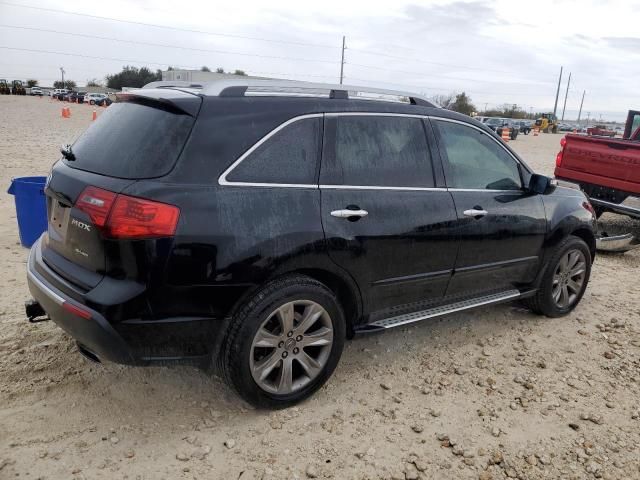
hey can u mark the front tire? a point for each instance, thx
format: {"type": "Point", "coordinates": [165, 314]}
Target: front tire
{"type": "Point", "coordinates": [564, 281]}
{"type": "Point", "coordinates": [284, 343]}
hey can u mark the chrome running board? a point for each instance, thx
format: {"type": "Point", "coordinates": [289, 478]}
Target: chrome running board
{"type": "Point", "coordinates": [438, 311]}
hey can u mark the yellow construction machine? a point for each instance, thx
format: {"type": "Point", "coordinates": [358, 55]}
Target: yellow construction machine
{"type": "Point", "coordinates": [548, 122]}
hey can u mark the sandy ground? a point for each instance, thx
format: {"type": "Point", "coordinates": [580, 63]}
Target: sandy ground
{"type": "Point", "coordinates": [488, 394]}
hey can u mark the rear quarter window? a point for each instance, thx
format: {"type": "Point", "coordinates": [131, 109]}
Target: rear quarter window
{"type": "Point", "coordinates": [132, 141]}
{"type": "Point", "coordinates": [287, 156]}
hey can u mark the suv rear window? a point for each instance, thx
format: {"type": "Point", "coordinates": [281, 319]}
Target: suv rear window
{"type": "Point", "coordinates": [132, 141]}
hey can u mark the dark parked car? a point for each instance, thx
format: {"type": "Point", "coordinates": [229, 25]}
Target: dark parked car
{"type": "Point", "coordinates": [233, 225]}
{"type": "Point", "coordinates": [103, 102]}
{"type": "Point", "coordinates": [76, 97]}
{"type": "Point", "coordinates": [524, 126]}
{"type": "Point", "coordinates": [497, 124]}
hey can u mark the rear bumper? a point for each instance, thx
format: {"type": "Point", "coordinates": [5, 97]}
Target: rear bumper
{"type": "Point", "coordinates": [94, 334]}
{"type": "Point", "coordinates": [625, 208]}
{"type": "Point", "coordinates": [131, 341]}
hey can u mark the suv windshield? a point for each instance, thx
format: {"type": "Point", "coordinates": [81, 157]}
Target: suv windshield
{"type": "Point", "coordinates": [132, 141]}
{"type": "Point", "coordinates": [494, 121]}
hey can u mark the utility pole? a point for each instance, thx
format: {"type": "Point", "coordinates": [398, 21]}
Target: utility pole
{"type": "Point", "coordinates": [588, 116]}
{"type": "Point", "coordinates": [555, 105]}
{"type": "Point", "coordinates": [581, 102]}
{"type": "Point", "coordinates": [62, 72]}
{"type": "Point", "coordinates": [565, 96]}
{"type": "Point", "coordinates": [485, 106]}
{"type": "Point", "coordinates": [342, 61]}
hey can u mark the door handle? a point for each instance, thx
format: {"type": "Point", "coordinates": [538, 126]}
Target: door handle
{"type": "Point", "coordinates": [475, 213]}
{"type": "Point", "coordinates": [346, 213]}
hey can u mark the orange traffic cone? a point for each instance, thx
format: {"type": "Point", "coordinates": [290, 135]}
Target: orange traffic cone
{"type": "Point", "coordinates": [505, 134]}
{"type": "Point", "coordinates": [64, 112]}
{"type": "Point", "coordinates": [94, 116]}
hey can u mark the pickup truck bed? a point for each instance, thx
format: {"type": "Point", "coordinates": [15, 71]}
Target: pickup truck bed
{"type": "Point", "coordinates": [607, 170]}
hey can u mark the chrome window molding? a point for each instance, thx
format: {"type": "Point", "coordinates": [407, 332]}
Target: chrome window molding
{"type": "Point", "coordinates": [373, 114]}
{"type": "Point", "coordinates": [222, 180]}
{"type": "Point", "coordinates": [372, 187]}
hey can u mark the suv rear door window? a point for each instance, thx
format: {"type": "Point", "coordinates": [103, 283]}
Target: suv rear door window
{"type": "Point", "coordinates": [290, 156]}
{"type": "Point", "coordinates": [388, 151]}
{"type": "Point", "coordinates": [132, 141]}
{"type": "Point", "coordinates": [476, 161]}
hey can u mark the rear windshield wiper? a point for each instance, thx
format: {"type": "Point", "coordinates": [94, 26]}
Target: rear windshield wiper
{"type": "Point", "coordinates": [66, 152]}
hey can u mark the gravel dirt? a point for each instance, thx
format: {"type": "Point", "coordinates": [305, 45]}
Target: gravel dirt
{"type": "Point", "coordinates": [488, 394]}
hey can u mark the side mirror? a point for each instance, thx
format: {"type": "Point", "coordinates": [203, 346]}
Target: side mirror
{"type": "Point", "coordinates": [541, 184]}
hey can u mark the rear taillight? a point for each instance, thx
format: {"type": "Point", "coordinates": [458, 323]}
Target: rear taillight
{"type": "Point", "coordinates": [122, 216]}
{"type": "Point", "coordinates": [139, 218]}
{"type": "Point", "coordinates": [563, 142]}
{"type": "Point", "coordinates": [96, 203]}
{"type": "Point", "coordinates": [587, 206]}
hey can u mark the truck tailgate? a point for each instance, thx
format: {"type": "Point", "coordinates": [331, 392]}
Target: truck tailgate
{"type": "Point", "coordinates": [609, 162]}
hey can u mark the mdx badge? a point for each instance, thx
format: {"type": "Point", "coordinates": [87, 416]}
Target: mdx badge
{"type": "Point", "coordinates": [80, 225]}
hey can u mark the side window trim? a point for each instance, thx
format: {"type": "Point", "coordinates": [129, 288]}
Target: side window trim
{"type": "Point", "coordinates": [222, 179]}
{"type": "Point", "coordinates": [444, 158]}
{"type": "Point", "coordinates": [437, 162]}
{"type": "Point", "coordinates": [430, 131]}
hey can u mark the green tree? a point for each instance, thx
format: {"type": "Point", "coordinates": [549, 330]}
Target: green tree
{"type": "Point", "coordinates": [70, 84]}
{"type": "Point", "coordinates": [239, 72]}
{"type": "Point", "coordinates": [132, 77]}
{"type": "Point", "coordinates": [32, 83]}
{"type": "Point", "coordinates": [462, 104]}
{"type": "Point", "coordinates": [93, 83]}
{"type": "Point", "coordinates": [204, 68]}
{"type": "Point", "coordinates": [219, 70]}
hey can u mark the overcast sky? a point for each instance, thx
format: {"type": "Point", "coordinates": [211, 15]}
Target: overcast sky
{"type": "Point", "coordinates": [501, 51]}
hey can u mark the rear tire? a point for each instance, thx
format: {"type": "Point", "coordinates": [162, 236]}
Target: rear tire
{"type": "Point", "coordinates": [284, 343]}
{"type": "Point", "coordinates": [571, 282]}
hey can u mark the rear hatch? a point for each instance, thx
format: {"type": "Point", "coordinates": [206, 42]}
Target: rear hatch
{"type": "Point", "coordinates": [139, 137]}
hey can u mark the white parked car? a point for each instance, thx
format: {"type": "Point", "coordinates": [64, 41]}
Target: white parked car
{"type": "Point", "coordinates": [92, 98]}
{"type": "Point", "coordinates": [59, 91]}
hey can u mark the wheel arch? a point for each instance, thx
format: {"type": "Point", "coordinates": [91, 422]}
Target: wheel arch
{"type": "Point", "coordinates": [344, 289]}
{"type": "Point", "coordinates": [589, 238]}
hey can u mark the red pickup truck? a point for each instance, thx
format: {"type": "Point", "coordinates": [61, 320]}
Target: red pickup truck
{"type": "Point", "coordinates": [601, 131]}
{"type": "Point", "coordinates": [607, 169]}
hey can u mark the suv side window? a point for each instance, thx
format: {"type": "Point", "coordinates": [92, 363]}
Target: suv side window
{"type": "Point", "coordinates": [290, 156]}
{"type": "Point", "coordinates": [474, 160]}
{"type": "Point", "coordinates": [368, 150]}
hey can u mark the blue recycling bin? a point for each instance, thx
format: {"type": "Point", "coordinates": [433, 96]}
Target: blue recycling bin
{"type": "Point", "coordinates": [31, 207]}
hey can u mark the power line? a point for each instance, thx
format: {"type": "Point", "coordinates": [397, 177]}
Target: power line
{"type": "Point", "coordinates": [164, 45]}
{"type": "Point", "coordinates": [427, 87]}
{"type": "Point", "coordinates": [414, 60]}
{"type": "Point", "coordinates": [386, 69]}
{"type": "Point", "coordinates": [87, 56]}
{"type": "Point", "coordinates": [178, 29]}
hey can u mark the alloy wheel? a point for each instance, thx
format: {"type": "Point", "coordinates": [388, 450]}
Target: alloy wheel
{"type": "Point", "coordinates": [568, 278]}
{"type": "Point", "coordinates": [291, 347]}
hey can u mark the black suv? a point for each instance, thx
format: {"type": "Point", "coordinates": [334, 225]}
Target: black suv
{"type": "Point", "coordinates": [255, 225]}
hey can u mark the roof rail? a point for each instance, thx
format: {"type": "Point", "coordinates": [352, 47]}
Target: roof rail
{"type": "Point", "coordinates": [240, 87]}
